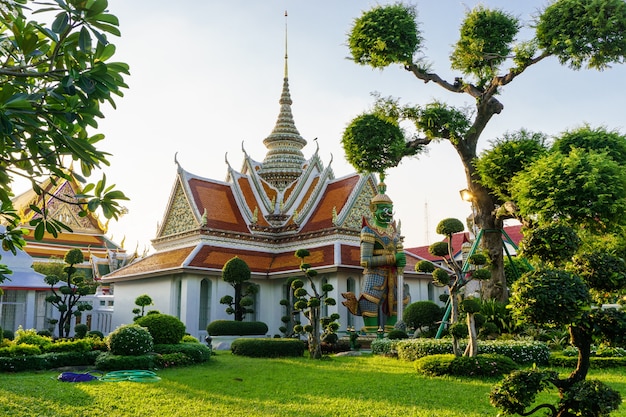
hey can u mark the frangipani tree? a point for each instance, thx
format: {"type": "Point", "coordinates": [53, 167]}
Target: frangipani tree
{"type": "Point", "coordinates": [54, 77]}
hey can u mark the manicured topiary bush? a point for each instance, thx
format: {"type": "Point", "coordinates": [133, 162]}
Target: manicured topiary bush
{"type": "Point", "coordinates": [397, 334]}
{"type": "Point", "coordinates": [197, 352]}
{"type": "Point", "coordinates": [165, 329]}
{"type": "Point", "coordinates": [130, 340]}
{"type": "Point", "coordinates": [268, 347]}
{"type": "Point", "coordinates": [47, 361]}
{"type": "Point", "coordinates": [95, 333]}
{"type": "Point", "coordinates": [109, 362]}
{"type": "Point", "coordinates": [80, 331]}
{"type": "Point", "coordinates": [236, 328]}
{"type": "Point", "coordinates": [30, 337]}
{"type": "Point", "coordinates": [482, 365]}
{"type": "Point", "coordinates": [521, 352]}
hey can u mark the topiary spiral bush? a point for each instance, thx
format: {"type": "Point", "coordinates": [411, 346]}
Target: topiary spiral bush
{"type": "Point", "coordinates": [130, 340]}
{"type": "Point", "coordinates": [165, 329]}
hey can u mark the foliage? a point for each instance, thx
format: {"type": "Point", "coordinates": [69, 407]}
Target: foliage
{"type": "Point", "coordinates": [514, 268]}
{"type": "Point", "coordinates": [19, 363]}
{"type": "Point", "coordinates": [30, 337]}
{"type": "Point", "coordinates": [439, 249]}
{"type": "Point", "coordinates": [591, 398]}
{"type": "Point", "coordinates": [291, 316]}
{"type": "Point", "coordinates": [373, 42]}
{"type": "Point", "coordinates": [581, 189]}
{"type": "Point", "coordinates": [519, 389]}
{"type": "Point", "coordinates": [602, 271]}
{"type": "Point", "coordinates": [196, 352]}
{"type": "Point", "coordinates": [521, 352]}
{"type": "Point", "coordinates": [268, 348]}
{"type": "Point", "coordinates": [55, 78]}
{"type": "Point", "coordinates": [237, 273]}
{"type": "Point", "coordinates": [236, 328]}
{"type": "Point", "coordinates": [589, 139]}
{"type": "Point", "coordinates": [497, 313]}
{"type": "Point", "coordinates": [483, 365]}
{"type": "Point", "coordinates": [587, 32]}
{"type": "Point", "coordinates": [163, 328]}
{"type": "Point", "coordinates": [80, 330]}
{"type": "Point", "coordinates": [490, 56]}
{"type": "Point", "coordinates": [422, 314]}
{"type": "Point", "coordinates": [109, 361]}
{"type": "Point", "coordinates": [450, 226]}
{"type": "Point", "coordinates": [565, 361]}
{"type": "Point", "coordinates": [66, 298]}
{"type": "Point", "coordinates": [396, 334]}
{"type": "Point", "coordinates": [506, 157]}
{"type": "Point", "coordinates": [549, 297]}
{"type": "Point", "coordinates": [310, 303]}
{"type": "Point", "coordinates": [424, 266]}
{"type": "Point", "coordinates": [142, 301]}
{"type": "Point", "coordinates": [485, 43]}
{"type": "Point", "coordinates": [373, 143]}
{"type": "Point", "coordinates": [130, 340]}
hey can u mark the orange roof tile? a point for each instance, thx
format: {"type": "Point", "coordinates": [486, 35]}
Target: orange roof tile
{"type": "Point", "coordinates": [251, 201]}
{"type": "Point", "coordinates": [159, 261]}
{"type": "Point", "coordinates": [219, 203]}
{"type": "Point", "coordinates": [309, 191]}
{"type": "Point", "coordinates": [335, 196]}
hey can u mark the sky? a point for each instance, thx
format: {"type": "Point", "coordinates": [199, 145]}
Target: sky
{"type": "Point", "coordinates": [206, 77]}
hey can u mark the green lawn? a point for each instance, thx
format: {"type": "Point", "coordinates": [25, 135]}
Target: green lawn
{"type": "Point", "coordinates": [238, 386]}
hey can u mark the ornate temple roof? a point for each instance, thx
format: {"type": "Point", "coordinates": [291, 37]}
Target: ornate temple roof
{"type": "Point", "coordinates": [262, 213]}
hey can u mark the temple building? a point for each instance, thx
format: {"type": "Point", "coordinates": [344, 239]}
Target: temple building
{"type": "Point", "coordinates": [261, 213]}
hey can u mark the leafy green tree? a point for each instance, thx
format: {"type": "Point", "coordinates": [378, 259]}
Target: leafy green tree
{"type": "Point", "coordinates": [458, 279]}
{"type": "Point", "coordinates": [572, 236]}
{"type": "Point", "coordinates": [236, 272]}
{"type": "Point", "coordinates": [54, 77]}
{"type": "Point", "coordinates": [579, 33]}
{"type": "Point", "coordinates": [142, 301]}
{"type": "Point", "coordinates": [67, 298]}
{"type": "Point", "coordinates": [310, 303]}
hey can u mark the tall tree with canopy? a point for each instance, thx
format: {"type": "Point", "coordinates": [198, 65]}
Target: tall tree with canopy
{"type": "Point", "coordinates": [571, 198]}
{"type": "Point", "coordinates": [579, 33]}
{"type": "Point", "coordinates": [54, 77]}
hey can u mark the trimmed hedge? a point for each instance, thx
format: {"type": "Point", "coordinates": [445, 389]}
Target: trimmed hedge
{"type": "Point", "coordinates": [483, 365]}
{"type": "Point", "coordinates": [521, 352]}
{"type": "Point", "coordinates": [110, 362]}
{"type": "Point", "coordinates": [236, 328]}
{"type": "Point", "coordinates": [268, 348]}
{"type": "Point", "coordinates": [196, 352]}
{"type": "Point", "coordinates": [597, 362]}
{"type": "Point", "coordinates": [48, 361]}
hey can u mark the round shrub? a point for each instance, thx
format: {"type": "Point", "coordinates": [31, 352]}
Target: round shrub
{"type": "Point", "coordinates": [450, 226]}
{"type": "Point", "coordinates": [236, 328]}
{"type": "Point", "coordinates": [189, 339]}
{"type": "Point", "coordinates": [130, 340]}
{"type": "Point", "coordinates": [165, 329]}
{"type": "Point", "coordinates": [396, 334]}
{"type": "Point", "coordinates": [422, 314]}
{"type": "Point", "coordinates": [95, 333]}
{"type": "Point", "coordinates": [80, 331]}
{"type": "Point", "coordinates": [30, 337]}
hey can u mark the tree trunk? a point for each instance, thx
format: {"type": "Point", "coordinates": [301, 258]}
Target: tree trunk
{"type": "Point", "coordinates": [315, 348]}
{"type": "Point", "coordinates": [237, 302]}
{"type": "Point", "coordinates": [472, 345]}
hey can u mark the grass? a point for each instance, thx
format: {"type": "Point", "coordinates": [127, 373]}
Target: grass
{"type": "Point", "coordinates": [238, 386]}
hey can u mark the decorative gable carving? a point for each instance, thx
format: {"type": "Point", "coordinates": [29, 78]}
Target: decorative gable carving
{"type": "Point", "coordinates": [180, 217]}
{"type": "Point", "coordinates": [360, 209]}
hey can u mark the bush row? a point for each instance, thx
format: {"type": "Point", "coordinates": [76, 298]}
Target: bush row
{"type": "Point", "coordinates": [47, 361]}
{"type": "Point", "coordinates": [268, 347]}
{"type": "Point", "coordinates": [521, 352]}
{"type": "Point", "coordinates": [560, 360]}
{"type": "Point", "coordinates": [236, 328]}
{"type": "Point", "coordinates": [482, 365]}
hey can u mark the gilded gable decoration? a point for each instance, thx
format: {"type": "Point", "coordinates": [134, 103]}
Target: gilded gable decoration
{"type": "Point", "coordinates": [179, 217]}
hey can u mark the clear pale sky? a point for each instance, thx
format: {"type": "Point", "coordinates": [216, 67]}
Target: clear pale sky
{"type": "Point", "coordinates": [207, 75]}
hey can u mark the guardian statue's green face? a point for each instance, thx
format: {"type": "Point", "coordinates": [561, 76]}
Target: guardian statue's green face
{"type": "Point", "coordinates": [383, 214]}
